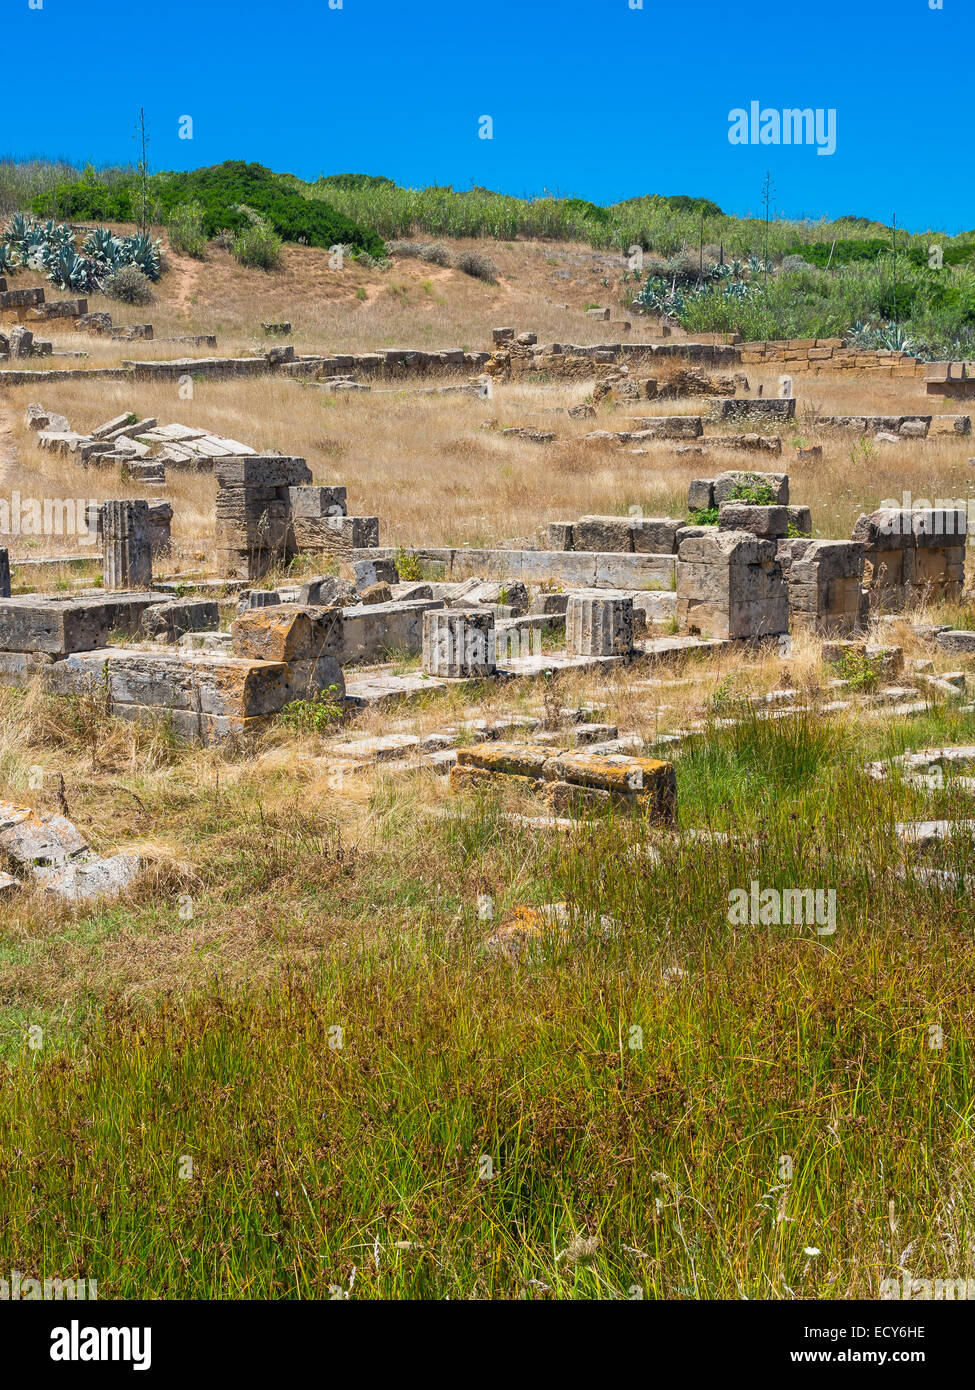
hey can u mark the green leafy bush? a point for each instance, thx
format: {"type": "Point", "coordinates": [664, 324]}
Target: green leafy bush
{"type": "Point", "coordinates": [315, 715]}
{"type": "Point", "coordinates": [186, 231]}
{"type": "Point", "coordinates": [222, 190]}
{"type": "Point", "coordinates": [753, 491]}
{"type": "Point", "coordinates": [88, 202]}
{"type": "Point", "coordinates": [258, 246]}
{"type": "Point", "coordinates": [129, 285]}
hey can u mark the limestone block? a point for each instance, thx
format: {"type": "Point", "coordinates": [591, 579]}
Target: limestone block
{"type": "Point", "coordinates": [599, 625]}
{"type": "Point", "coordinates": [288, 632]}
{"type": "Point", "coordinates": [459, 643]}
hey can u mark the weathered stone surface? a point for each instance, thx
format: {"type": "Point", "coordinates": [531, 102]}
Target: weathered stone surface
{"type": "Point", "coordinates": [170, 620]}
{"type": "Point", "coordinates": [824, 580]}
{"type": "Point", "coordinates": [126, 553]}
{"type": "Point", "coordinates": [58, 626]}
{"type": "Point", "coordinates": [771, 523]}
{"type": "Point", "coordinates": [327, 591]}
{"type": "Point", "coordinates": [643, 783]}
{"type": "Point", "coordinates": [700, 495]}
{"type": "Point", "coordinates": [32, 840]}
{"type": "Point", "coordinates": [318, 501]}
{"type": "Point", "coordinates": [912, 555]}
{"type": "Point", "coordinates": [204, 695]}
{"type": "Point", "coordinates": [729, 584]}
{"type": "Point", "coordinates": [88, 876]}
{"type": "Point", "coordinates": [599, 625]}
{"type": "Point", "coordinates": [378, 571]}
{"type": "Point", "coordinates": [287, 633]}
{"type": "Point", "coordinates": [602, 533]}
{"type": "Point", "coordinates": [4, 573]}
{"type": "Point", "coordinates": [459, 644]}
{"type": "Point", "coordinates": [956, 640]}
{"type": "Point", "coordinates": [373, 632]}
{"type": "Point", "coordinates": [763, 408]}
{"type": "Point", "coordinates": [559, 535]}
{"type": "Point", "coordinates": [376, 593]}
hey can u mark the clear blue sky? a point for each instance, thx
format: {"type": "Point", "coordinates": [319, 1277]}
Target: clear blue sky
{"type": "Point", "coordinates": [595, 100]}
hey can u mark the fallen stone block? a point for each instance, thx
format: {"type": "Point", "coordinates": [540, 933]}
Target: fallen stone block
{"type": "Point", "coordinates": [288, 633]}
{"type": "Point", "coordinates": [170, 620]}
{"type": "Point", "coordinates": [59, 626]}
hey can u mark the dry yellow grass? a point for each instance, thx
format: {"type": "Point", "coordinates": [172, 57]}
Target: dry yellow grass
{"type": "Point", "coordinates": [424, 464]}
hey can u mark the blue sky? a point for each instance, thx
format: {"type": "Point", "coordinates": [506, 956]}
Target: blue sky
{"type": "Point", "coordinates": [597, 100]}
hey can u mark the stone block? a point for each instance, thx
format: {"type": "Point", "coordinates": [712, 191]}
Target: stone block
{"type": "Point", "coordinates": [771, 523]}
{"type": "Point", "coordinates": [288, 633]}
{"type": "Point", "coordinates": [170, 620]}
{"type": "Point", "coordinates": [599, 625]}
{"type": "Point", "coordinates": [725, 484]}
{"type": "Point", "coordinates": [459, 644]}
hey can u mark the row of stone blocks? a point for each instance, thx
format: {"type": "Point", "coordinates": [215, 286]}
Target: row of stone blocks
{"type": "Point", "coordinates": [571, 782]}
{"type": "Point", "coordinates": [278, 655]}
{"type": "Point", "coordinates": [735, 584]}
{"type": "Point", "coordinates": [267, 510]}
{"type": "Point", "coordinates": [462, 644]}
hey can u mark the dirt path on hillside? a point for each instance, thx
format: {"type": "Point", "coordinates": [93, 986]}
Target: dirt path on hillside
{"type": "Point", "coordinates": [188, 273]}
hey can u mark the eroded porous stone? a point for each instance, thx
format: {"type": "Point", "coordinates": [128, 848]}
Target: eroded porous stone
{"type": "Point", "coordinates": [459, 644]}
{"type": "Point", "coordinates": [912, 555]}
{"type": "Point", "coordinates": [126, 552]}
{"type": "Point", "coordinates": [825, 583]}
{"type": "Point", "coordinates": [571, 782]}
{"type": "Point", "coordinates": [599, 625]}
{"type": "Point", "coordinates": [56, 627]}
{"type": "Point", "coordinates": [168, 621]}
{"type": "Point", "coordinates": [730, 584]}
{"type": "Point", "coordinates": [288, 632]}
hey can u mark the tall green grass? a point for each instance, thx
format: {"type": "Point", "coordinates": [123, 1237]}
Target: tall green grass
{"type": "Point", "coordinates": [651, 1101]}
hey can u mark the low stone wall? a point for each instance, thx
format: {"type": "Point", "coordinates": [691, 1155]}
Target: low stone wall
{"type": "Point", "coordinates": [571, 782]}
{"type": "Point", "coordinates": [568, 569]}
{"type": "Point", "coordinates": [912, 556]}
{"type": "Point", "coordinates": [829, 355]}
{"type": "Point", "coordinates": [907, 426]}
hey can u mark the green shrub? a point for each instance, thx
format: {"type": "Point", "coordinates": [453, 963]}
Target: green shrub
{"type": "Point", "coordinates": [754, 491]}
{"type": "Point", "coordinates": [703, 516]}
{"type": "Point", "coordinates": [186, 231]}
{"type": "Point", "coordinates": [257, 246]}
{"type": "Point", "coordinates": [129, 285]}
{"type": "Point", "coordinates": [315, 715]}
{"type": "Point", "coordinates": [224, 188]}
{"type": "Point", "coordinates": [88, 202]}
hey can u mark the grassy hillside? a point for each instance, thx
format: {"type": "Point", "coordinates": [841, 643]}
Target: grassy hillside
{"type": "Point", "coordinates": [679, 256]}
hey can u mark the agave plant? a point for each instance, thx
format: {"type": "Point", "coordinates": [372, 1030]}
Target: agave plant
{"type": "Point", "coordinates": [69, 271]}
{"type": "Point", "coordinates": [18, 231]}
{"type": "Point", "coordinates": [104, 248]}
{"type": "Point", "coordinates": [142, 251]}
{"type": "Point", "coordinates": [7, 262]}
{"type": "Point", "coordinates": [57, 233]}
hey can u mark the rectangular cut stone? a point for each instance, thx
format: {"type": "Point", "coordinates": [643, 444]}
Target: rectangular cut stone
{"type": "Point", "coordinates": [195, 684]}
{"type": "Point", "coordinates": [288, 633]}
{"type": "Point", "coordinates": [730, 584]}
{"type": "Point", "coordinates": [763, 408]}
{"type": "Point", "coordinates": [316, 500]}
{"type": "Point", "coordinates": [375, 631]}
{"type": "Point", "coordinates": [771, 523]}
{"type": "Point", "coordinates": [59, 626]}
{"type": "Point", "coordinates": [602, 533]}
